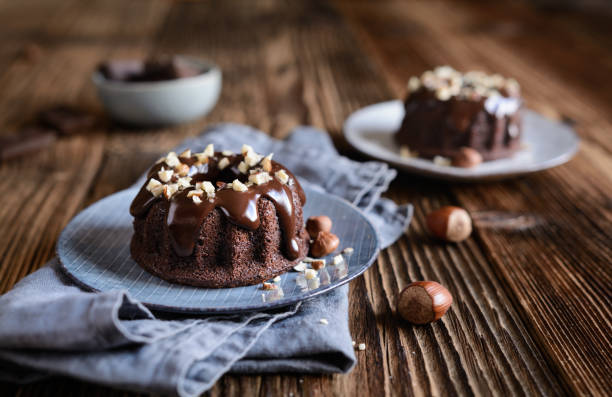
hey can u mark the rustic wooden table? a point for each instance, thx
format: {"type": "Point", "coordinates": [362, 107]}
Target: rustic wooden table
{"type": "Point", "coordinates": [532, 286]}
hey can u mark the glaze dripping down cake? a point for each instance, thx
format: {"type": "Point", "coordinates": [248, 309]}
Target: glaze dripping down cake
{"type": "Point", "coordinates": [218, 219]}
{"type": "Point", "coordinates": [447, 111]}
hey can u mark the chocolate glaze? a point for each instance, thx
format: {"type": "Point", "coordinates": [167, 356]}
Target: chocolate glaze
{"type": "Point", "coordinates": [185, 217]}
{"type": "Point", "coordinates": [434, 127]}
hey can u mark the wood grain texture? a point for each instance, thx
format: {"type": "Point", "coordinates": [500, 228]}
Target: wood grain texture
{"type": "Point", "coordinates": [532, 287]}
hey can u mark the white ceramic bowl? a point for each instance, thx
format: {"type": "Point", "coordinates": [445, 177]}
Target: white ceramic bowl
{"type": "Point", "coordinates": [161, 102]}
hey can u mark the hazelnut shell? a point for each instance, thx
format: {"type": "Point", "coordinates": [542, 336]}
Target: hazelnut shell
{"type": "Point", "coordinates": [324, 244]}
{"type": "Point", "coordinates": [467, 158]}
{"type": "Point", "coordinates": [450, 223]}
{"type": "Point", "coordinates": [317, 224]}
{"type": "Point", "coordinates": [423, 302]}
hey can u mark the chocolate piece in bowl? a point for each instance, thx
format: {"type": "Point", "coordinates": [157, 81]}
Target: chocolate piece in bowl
{"type": "Point", "coordinates": [148, 70]}
{"type": "Point", "coordinates": [447, 111]}
{"type": "Point", "coordinates": [194, 230]}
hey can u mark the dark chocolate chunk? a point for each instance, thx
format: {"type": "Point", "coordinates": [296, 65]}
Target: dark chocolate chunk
{"type": "Point", "coordinates": [121, 70]}
{"type": "Point", "coordinates": [67, 120]}
{"type": "Point", "coordinates": [152, 69]}
{"type": "Point", "coordinates": [28, 141]}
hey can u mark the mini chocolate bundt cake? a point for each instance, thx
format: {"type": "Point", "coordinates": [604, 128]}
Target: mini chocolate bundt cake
{"type": "Point", "coordinates": [446, 111]}
{"type": "Point", "coordinates": [218, 219]}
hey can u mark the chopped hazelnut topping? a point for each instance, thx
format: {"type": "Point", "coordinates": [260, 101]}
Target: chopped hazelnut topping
{"type": "Point", "coordinates": [182, 169]}
{"type": "Point", "coordinates": [252, 158]}
{"type": "Point", "coordinates": [165, 175]}
{"type": "Point", "coordinates": [282, 176]}
{"type": "Point", "coordinates": [406, 152]}
{"type": "Point", "coordinates": [269, 286]}
{"type": "Point", "coordinates": [208, 188]}
{"type": "Point", "coordinates": [209, 151]}
{"type": "Point", "coordinates": [266, 163]}
{"type": "Point", "coordinates": [195, 192]}
{"type": "Point", "coordinates": [338, 259]}
{"type": "Point", "coordinates": [227, 153]}
{"type": "Point", "coordinates": [224, 162]}
{"type": "Point", "coordinates": [172, 160]}
{"type": "Point", "coordinates": [186, 154]}
{"type": "Point", "coordinates": [260, 179]}
{"type": "Point", "coordinates": [184, 182]}
{"type": "Point", "coordinates": [243, 167]}
{"type": "Point", "coordinates": [414, 84]}
{"type": "Point", "coordinates": [238, 186]}
{"type": "Point", "coordinates": [196, 199]}
{"type": "Point", "coordinates": [169, 190]}
{"type": "Point", "coordinates": [324, 321]}
{"type": "Point", "coordinates": [310, 274]}
{"type": "Point", "coordinates": [442, 161]}
{"type": "Point", "coordinates": [245, 149]}
{"type": "Point", "coordinates": [155, 187]}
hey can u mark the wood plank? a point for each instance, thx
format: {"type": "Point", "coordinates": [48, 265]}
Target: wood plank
{"type": "Point", "coordinates": [287, 64]}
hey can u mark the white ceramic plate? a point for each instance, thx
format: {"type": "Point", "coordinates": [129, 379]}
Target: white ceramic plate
{"type": "Point", "coordinates": [547, 144]}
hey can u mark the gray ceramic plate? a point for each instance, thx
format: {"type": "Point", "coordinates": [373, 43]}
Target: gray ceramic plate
{"type": "Point", "coordinates": [547, 144]}
{"type": "Point", "coordinates": [94, 250]}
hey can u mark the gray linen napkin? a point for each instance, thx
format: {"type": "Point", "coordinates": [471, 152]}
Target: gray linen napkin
{"type": "Point", "coordinates": [50, 326]}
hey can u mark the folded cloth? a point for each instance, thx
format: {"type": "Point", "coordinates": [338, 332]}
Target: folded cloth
{"type": "Point", "coordinates": [50, 326]}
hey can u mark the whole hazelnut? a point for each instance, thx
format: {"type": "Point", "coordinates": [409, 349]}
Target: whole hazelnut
{"type": "Point", "coordinates": [316, 224]}
{"type": "Point", "coordinates": [466, 158]}
{"type": "Point", "coordinates": [423, 302]}
{"type": "Point", "coordinates": [325, 243]}
{"type": "Point", "coordinates": [450, 223]}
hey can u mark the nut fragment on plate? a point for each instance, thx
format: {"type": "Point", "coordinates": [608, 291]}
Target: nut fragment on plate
{"type": "Point", "coordinates": [269, 286]}
{"type": "Point", "coordinates": [423, 302]}
{"type": "Point", "coordinates": [316, 224]}
{"type": "Point", "coordinates": [450, 223]}
{"type": "Point", "coordinates": [442, 161]}
{"type": "Point", "coordinates": [338, 259]}
{"type": "Point", "coordinates": [467, 158]}
{"type": "Point", "coordinates": [324, 321]}
{"type": "Point", "coordinates": [300, 267]}
{"type": "Point", "coordinates": [310, 274]}
{"type": "Point", "coordinates": [325, 243]}
{"type": "Point", "coordinates": [318, 264]}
